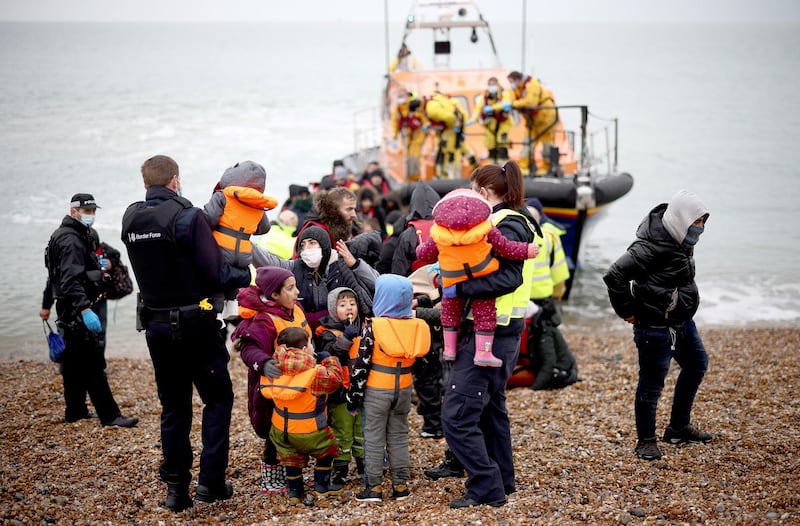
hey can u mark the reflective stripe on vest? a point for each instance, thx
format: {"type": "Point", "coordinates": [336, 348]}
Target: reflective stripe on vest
{"type": "Point", "coordinates": [514, 304]}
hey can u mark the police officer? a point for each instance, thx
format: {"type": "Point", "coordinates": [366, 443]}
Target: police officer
{"type": "Point", "coordinates": [74, 282]}
{"type": "Point", "coordinates": [179, 268]}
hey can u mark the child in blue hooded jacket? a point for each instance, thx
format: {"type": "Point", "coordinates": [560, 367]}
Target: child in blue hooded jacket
{"type": "Point", "coordinates": [381, 383]}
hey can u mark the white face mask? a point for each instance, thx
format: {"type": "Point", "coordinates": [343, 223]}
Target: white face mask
{"type": "Point", "coordinates": [512, 85]}
{"type": "Point", "coordinates": [401, 100]}
{"type": "Point", "coordinates": [492, 89]}
{"type": "Point", "coordinates": [86, 219]}
{"type": "Point", "coordinates": [311, 257]}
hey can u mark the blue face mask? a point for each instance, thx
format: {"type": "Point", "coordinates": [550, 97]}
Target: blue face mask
{"type": "Point", "coordinates": [87, 220]}
{"type": "Point", "coordinates": [693, 235]}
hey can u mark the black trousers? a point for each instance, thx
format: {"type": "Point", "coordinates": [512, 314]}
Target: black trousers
{"type": "Point", "coordinates": [196, 356]}
{"type": "Point", "coordinates": [83, 369]}
{"type": "Point", "coordinates": [427, 373]}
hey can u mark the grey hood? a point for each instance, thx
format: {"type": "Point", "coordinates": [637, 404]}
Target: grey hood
{"type": "Point", "coordinates": [682, 210]}
{"type": "Point", "coordinates": [423, 199]}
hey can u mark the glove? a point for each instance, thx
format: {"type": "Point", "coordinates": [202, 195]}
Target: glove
{"type": "Point", "coordinates": [351, 330]}
{"type": "Point", "coordinates": [506, 106]}
{"type": "Point", "coordinates": [488, 109]}
{"type": "Point", "coordinates": [103, 263]}
{"type": "Point", "coordinates": [457, 129]}
{"type": "Point", "coordinates": [270, 369]}
{"type": "Point", "coordinates": [91, 320]}
{"type": "Point", "coordinates": [470, 122]}
{"type": "Point", "coordinates": [449, 292]}
{"type": "Point", "coordinates": [322, 355]}
{"type": "Point", "coordinates": [426, 127]}
{"type": "Point", "coordinates": [435, 269]}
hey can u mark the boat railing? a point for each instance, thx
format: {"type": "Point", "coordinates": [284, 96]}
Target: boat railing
{"type": "Point", "coordinates": [604, 140]}
{"type": "Point", "coordinates": [366, 133]}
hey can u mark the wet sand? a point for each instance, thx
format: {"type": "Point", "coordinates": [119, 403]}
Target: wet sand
{"type": "Point", "coordinates": [573, 450]}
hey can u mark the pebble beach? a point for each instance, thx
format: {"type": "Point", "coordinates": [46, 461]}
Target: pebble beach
{"type": "Point", "coordinates": [573, 450]}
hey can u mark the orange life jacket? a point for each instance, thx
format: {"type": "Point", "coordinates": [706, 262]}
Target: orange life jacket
{"type": "Point", "coordinates": [298, 320]}
{"type": "Point", "coordinates": [464, 254]}
{"type": "Point", "coordinates": [296, 409]}
{"type": "Point", "coordinates": [352, 353]}
{"type": "Point", "coordinates": [398, 342]}
{"type": "Point", "coordinates": [422, 227]}
{"type": "Point", "coordinates": [244, 209]}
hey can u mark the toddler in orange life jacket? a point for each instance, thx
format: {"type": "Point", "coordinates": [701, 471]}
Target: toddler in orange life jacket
{"type": "Point", "coordinates": [236, 211]}
{"type": "Point", "coordinates": [338, 334]}
{"type": "Point", "coordinates": [463, 238]}
{"type": "Point", "coordinates": [380, 383]}
{"type": "Point", "coordinates": [300, 427]}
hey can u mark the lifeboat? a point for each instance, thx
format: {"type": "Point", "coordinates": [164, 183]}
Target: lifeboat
{"type": "Point", "coordinates": [459, 56]}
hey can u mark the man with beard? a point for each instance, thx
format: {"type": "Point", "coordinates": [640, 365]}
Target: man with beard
{"type": "Point", "coordinates": [335, 212]}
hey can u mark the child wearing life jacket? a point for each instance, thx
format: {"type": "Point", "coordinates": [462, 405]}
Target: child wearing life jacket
{"type": "Point", "coordinates": [266, 308]}
{"type": "Point", "coordinates": [380, 383]}
{"type": "Point", "coordinates": [300, 427]}
{"type": "Point", "coordinates": [236, 211]}
{"type": "Point", "coordinates": [338, 334]}
{"type": "Point", "coordinates": [463, 238]}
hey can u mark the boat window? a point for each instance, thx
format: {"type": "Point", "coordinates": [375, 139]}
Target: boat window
{"type": "Point", "coordinates": [464, 104]}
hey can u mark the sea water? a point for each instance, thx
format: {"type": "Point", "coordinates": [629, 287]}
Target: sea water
{"type": "Point", "coordinates": [710, 108]}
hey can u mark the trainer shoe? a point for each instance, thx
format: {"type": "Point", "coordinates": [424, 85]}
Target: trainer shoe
{"type": "Point", "coordinates": [273, 478]}
{"type": "Point", "coordinates": [648, 449]}
{"type": "Point", "coordinates": [400, 492]}
{"type": "Point", "coordinates": [687, 434]}
{"type": "Point", "coordinates": [428, 434]}
{"type": "Point", "coordinates": [370, 494]}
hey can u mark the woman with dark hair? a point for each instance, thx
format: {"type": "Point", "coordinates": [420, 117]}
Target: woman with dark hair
{"type": "Point", "coordinates": [319, 269]}
{"type": "Point", "coordinates": [474, 414]}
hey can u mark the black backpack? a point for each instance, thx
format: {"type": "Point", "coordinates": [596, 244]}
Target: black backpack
{"type": "Point", "coordinates": [121, 284]}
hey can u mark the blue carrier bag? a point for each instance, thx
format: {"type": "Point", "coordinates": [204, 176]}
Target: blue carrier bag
{"type": "Point", "coordinates": [54, 341]}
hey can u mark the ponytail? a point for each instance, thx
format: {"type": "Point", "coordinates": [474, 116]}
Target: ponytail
{"type": "Point", "coordinates": [515, 188]}
{"type": "Point", "coordinates": [505, 182]}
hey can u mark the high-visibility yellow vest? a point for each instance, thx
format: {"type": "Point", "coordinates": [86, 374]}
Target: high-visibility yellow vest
{"type": "Point", "coordinates": [550, 265]}
{"type": "Point", "coordinates": [514, 304]}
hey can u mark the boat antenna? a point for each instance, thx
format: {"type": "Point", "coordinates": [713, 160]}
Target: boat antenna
{"type": "Point", "coordinates": [386, 32]}
{"type": "Point", "coordinates": [524, 24]}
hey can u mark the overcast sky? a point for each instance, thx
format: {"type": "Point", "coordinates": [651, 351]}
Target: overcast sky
{"type": "Point", "coordinates": [770, 11]}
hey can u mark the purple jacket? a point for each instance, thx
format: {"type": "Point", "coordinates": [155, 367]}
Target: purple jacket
{"type": "Point", "coordinates": [255, 341]}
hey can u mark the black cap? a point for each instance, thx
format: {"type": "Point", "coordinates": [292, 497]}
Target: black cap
{"type": "Point", "coordinates": [83, 201]}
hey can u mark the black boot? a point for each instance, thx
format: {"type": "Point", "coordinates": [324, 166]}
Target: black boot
{"type": "Point", "coordinates": [322, 479]}
{"type": "Point", "coordinates": [338, 475]}
{"type": "Point", "coordinates": [178, 498]}
{"type": "Point", "coordinates": [451, 467]}
{"type": "Point", "coordinates": [360, 467]}
{"type": "Point", "coordinates": [294, 481]}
